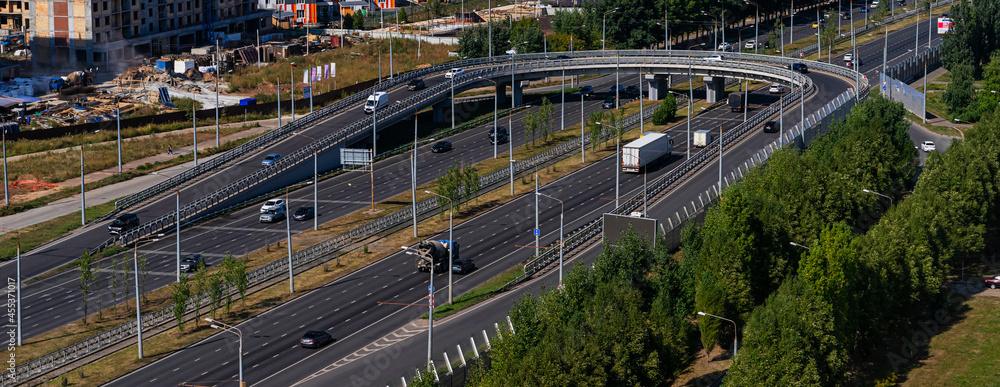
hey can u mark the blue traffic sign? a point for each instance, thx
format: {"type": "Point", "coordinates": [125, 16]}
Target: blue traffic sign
{"type": "Point", "coordinates": [536, 232]}
{"type": "Point", "coordinates": [430, 288]}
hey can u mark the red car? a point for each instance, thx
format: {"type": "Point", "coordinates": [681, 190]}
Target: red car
{"type": "Point", "coordinates": [992, 283]}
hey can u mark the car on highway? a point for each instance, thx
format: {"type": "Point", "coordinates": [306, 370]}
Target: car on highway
{"type": "Point", "coordinates": [315, 339]}
{"type": "Point", "coordinates": [800, 67]}
{"type": "Point", "coordinates": [848, 57]}
{"type": "Point", "coordinates": [304, 213]}
{"type": "Point", "coordinates": [619, 88]}
{"type": "Point", "coordinates": [272, 204]}
{"type": "Point", "coordinates": [874, 4]}
{"type": "Point", "coordinates": [632, 90]}
{"type": "Point", "coordinates": [586, 91]}
{"type": "Point", "coordinates": [777, 89]}
{"type": "Point", "coordinates": [415, 84]}
{"type": "Point", "coordinates": [272, 215]}
{"type": "Point", "coordinates": [441, 146]}
{"type": "Point", "coordinates": [927, 146]}
{"type": "Point", "coordinates": [815, 26]}
{"type": "Point", "coordinates": [771, 127]}
{"type": "Point", "coordinates": [559, 57]}
{"type": "Point", "coordinates": [750, 44]}
{"type": "Point", "coordinates": [715, 58]}
{"type": "Point", "coordinates": [191, 262]}
{"type": "Point", "coordinates": [724, 46]}
{"type": "Point", "coordinates": [991, 283]}
{"type": "Point", "coordinates": [462, 266]}
{"type": "Point", "coordinates": [863, 10]}
{"type": "Point", "coordinates": [454, 73]}
{"type": "Point", "coordinates": [122, 223]}
{"type": "Point", "coordinates": [500, 138]}
{"type": "Point", "coordinates": [609, 103]}
{"type": "Point", "coordinates": [270, 159]}
{"type": "Point", "coordinates": [846, 15]}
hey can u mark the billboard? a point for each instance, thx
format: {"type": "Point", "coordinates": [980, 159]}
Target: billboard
{"type": "Point", "coordinates": [615, 225]}
{"type": "Point", "coordinates": [355, 156]}
{"type": "Point", "coordinates": [944, 25]}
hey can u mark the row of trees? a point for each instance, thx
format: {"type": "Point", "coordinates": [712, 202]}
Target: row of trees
{"type": "Point", "coordinates": [853, 291]}
{"type": "Point", "coordinates": [120, 283]}
{"type": "Point", "coordinates": [458, 184]}
{"type": "Point", "coordinates": [971, 51]}
{"type": "Point", "coordinates": [540, 122]}
{"type": "Point", "coordinates": [616, 324]}
{"type": "Point", "coordinates": [525, 35]}
{"type": "Point", "coordinates": [218, 287]}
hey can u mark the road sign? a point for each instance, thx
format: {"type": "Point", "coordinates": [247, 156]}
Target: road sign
{"type": "Point", "coordinates": [350, 156]}
{"type": "Point", "coordinates": [536, 232]}
{"type": "Point", "coordinates": [615, 225]}
{"type": "Point", "coordinates": [430, 288]}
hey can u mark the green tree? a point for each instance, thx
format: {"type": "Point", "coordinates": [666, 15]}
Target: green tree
{"type": "Point", "coordinates": [470, 182]}
{"type": "Point", "coordinates": [458, 185]}
{"type": "Point", "coordinates": [960, 93]}
{"type": "Point", "coordinates": [86, 279]}
{"type": "Point", "coordinates": [630, 26]}
{"type": "Point", "coordinates": [545, 121]}
{"type": "Point", "coordinates": [666, 111]}
{"type": "Point", "coordinates": [359, 21]}
{"type": "Point", "coordinates": [831, 269]}
{"type": "Point", "coordinates": [595, 129]}
{"type": "Point", "coordinates": [475, 42]}
{"type": "Point", "coordinates": [143, 272]}
{"type": "Point", "coordinates": [527, 36]}
{"type": "Point", "coordinates": [531, 126]}
{"type": "Point", "coordinates": [181, 292]}
{"type": "Point", "coordinates": [828, 35]}
{"type": "Point", "coordinates": [215, 291]}
{"type": "Point", "coordinates": [228, 280]}
{"type": "Point", "coordinates": [790, 341]}
{"type": "Point", "coordinates": [988, 100]}
{"type": "Point", "coordinates": [347, 21]}
{"type": "Point", "coordinates": [403, 17]}
{"type": "Point", "coordinates": [201, 283]}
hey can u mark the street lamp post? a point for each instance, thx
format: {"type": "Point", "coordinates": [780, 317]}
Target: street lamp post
{"type": "Point", "coordinates": [138, 306]}
{"type": "Point", "coordinates": [618, 157]}
{"type": "Point", "coordinates": [798, 245]}
{"type": "Point", "coordinates": [726, 319]}
{"type": "Point", "coordinates": [288, 241]}
{"type": "Point", "coordinates": [604, 26]}
{"type": "Point", "coordinates": [496, 98]}
{"type": "Point", "coordinates": [413, 172]}
{"type": "Point", "coordinates": [218, 66]}
{"type": "Point", "coordinates": [231, 329]}
{"type": "Point", "coordinates": [291, 78]}
{"type": "Point", "coordinates": [315, 183]}
{"type": "Point", "coordinates": [6, 192]}
{"type": "Point", "coordinates": [756, 23]}
{"type": "Point", "coordinates": [583, 148]}
{"type": "Point", "coordinates": [510, 115]}
{"type": "Point", "coordinates": [879, 194]}
{"type": "Point", "coordinates": [83, 186]}
{"type": "Point", "coordinates": [715, 28]}
{"type": "Point", "coordinates": [177, 223]}
{"type": "Point", "coordinates": [430, 301]}
{"type": "Point", "coordinates": [451, 241]}
{"type": "Point", "coordinates": [561, 242]}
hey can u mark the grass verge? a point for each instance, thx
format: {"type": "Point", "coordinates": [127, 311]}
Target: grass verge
{"type": "Point", "coordinates": [964, 354]}
{"type": "Point", "coordinates": [943, 130]}
{"type": "Point", "coordinates": [479, 293]}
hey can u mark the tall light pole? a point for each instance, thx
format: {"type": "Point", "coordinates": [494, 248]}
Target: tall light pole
{"type": "Point", "coordinates": [690, 107]}
{"type": "Point", "coordinates": [583, 148]}
{"type": "Point", "coordinates": [879, 194]}
{"type": "Point", "coordinates": [561, 242]}
{"type": "Point", "coordinates": [6, 191]}
{"type": "Point", "coordinates": [231, 329]}
{"type": "Point", "coordinates": [562, 93]}
{"type": "Point", "coordinates": [510, 116]}
{"type": "Point", "coordinates": [279, 101]}
{"type": "Point", "coordinates": [288, 241]}
{"type": "Point", "coordinates": [715, 28]}
{"type": "Point", "coordinates": [756, 23]}
{"type": "Point", "coordinates": [430, 301]}
{"type": "Point", "coordinates": [194, 132]}
{"type": "Point", "coordinates": [218, 73]}
{"type": "Point", "coordinates": [291, 78]}
{"type": "Point", "coordinates": [604, 26]}
{"type": "Point", "coordinates": [138, 306]}
{"type": "Point", "coordinates": [451, 240]}
{"type": "Point", "coordinates": [734, 328]}
{"type": "Point", "coordinates": [83, 188]}
{"type": "Point", "coordinates": [666, 26]}
{"type": "Point", "coordinates": [177, 223]}
{"type": "Point", "coordinates": [118, 120]}
{"type": "Point", "coordinates": [618, 157]}
{"type": "Point", "coordinates": [798, 245]}
{"type": "Point", "coordinates": [413, 172]}
{"type": "Point", "coordinates": [496, 98]}
{"type": "Point", "coordinates": [315, 183]}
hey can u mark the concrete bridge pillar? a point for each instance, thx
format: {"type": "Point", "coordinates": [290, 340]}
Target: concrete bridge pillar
{"type": "Point", "coordinates": [715, 89]}
{"type": "Point", "coordinates": [658, 86]}
{"type": "Point", "coordinates": [439, 109]}
{"type": "Point", "coordinates": [518, 92]}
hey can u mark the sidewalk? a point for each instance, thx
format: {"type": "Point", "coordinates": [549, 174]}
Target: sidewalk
{"type": "Point", "coordinates": [115, 191]}
{"type": "Point", "coordinates": [934, 119]}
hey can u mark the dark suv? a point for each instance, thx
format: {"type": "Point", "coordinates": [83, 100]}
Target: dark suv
{"type": "Point", "coordinates": [415, 84]}
{"type": "Point", "coordinates": [315, 339]}
{"type": "Point", "coordinates": [498, 139]}
{"type": "Point", "coordinates": [191, 262]}
{"type": "Point", "coordinates": [123, 223]}
{"type": "Point", "coordinates": [800, 67]}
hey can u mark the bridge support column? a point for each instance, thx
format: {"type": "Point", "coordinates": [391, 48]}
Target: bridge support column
{"type": "Point", "coordinates": [518, 93]}
{"type": "Point", "coordinates": [715, 89]}
{"type": "Point", "coordinates": [658, 86]}
{"type": "Point", "coordinates": [500, 91]}
{"type": "Point", "coordinates": [439, 110]}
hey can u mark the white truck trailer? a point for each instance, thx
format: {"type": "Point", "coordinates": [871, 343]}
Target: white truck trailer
{"type": "Point", "coordinates": [646, 150]}
{"type": "Point", "coordinates": [702, 138]}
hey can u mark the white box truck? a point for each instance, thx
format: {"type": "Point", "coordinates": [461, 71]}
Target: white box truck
{"type": "Point", "coordinates": [376, 101]}
{"type": "Point", "coordinates": [646, 150]}
{"type": "Point", "coordinates": [702, 138]}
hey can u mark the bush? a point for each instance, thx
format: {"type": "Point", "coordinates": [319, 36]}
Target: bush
{"type": "Point", "coordinates": [666, 111]}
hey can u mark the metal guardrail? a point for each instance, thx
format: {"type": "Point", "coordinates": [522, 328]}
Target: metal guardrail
{"type": "Point", "coordinates": [117, 334]}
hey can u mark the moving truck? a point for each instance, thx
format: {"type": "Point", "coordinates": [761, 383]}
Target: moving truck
{"type": "Point", "coordinates": [702, 138]}
{"type": "Point", "coordinates": [376, 101]}
{"type": "Point", "coordinates": [736, 102]}
{"type": "Point", "coordinates": [646, 150]}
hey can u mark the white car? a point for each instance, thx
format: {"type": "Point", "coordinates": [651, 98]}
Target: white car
{"type": "Point", "coordinates": [875, 4]}
{"type": "Point", "coordinates": [724, 46]}
{"type": "Point", "coordinates": [454, 73]}
{"type": "Point", "coordinates": [715, 58]}
{"type": "Point", "coordinates": [272, 204]}
{"type": "Point", "coordinates": [848, 57]}
{"type": "Point", "coordinates": [272, 215]}
{"type": "Point", "coordinates": [750, 44]}
{"type": "Point", "coordinates": [927, 146]}
{"type": "Point", "coordinates": [777, 89]}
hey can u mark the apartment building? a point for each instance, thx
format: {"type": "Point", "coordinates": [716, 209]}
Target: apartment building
{"type": "Point", "coordinates": [12, 15]}
{"type": "Point", "coordinates": [303, 12]}
{"type": "Point", "coordinates": [75, 34]}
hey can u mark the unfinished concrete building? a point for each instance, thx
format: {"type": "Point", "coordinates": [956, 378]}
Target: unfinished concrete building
{"type": "Point", "coordinates": [75, 34]}
{"type": "Point", "coordinates": [12, 15]}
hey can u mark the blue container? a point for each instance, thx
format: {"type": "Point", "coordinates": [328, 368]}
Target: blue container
{"type": "Point", "coordinates": [163, 64]}
{"type": "Point", "coordinates": [248, 102]}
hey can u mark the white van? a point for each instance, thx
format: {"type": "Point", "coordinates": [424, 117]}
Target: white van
{"type": "Point", "coordinates": [376, 101]}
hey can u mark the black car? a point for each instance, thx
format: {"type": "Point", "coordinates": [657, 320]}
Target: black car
{"type": "Point", "coordinates": [304, 213]}
{"type": "Point", "coordinates": [315, 339]}
{"type": "Point", "coordinates": [122, 223]}
{"type": "Point", "coordinates": [586, 91]}
{"type": "Point", "coordinates": [441, 146]}
{"type": "Point", "coordinates": [800, 67]}
{"type": "Point", "coordinates": [845, 15]}
{"type": "Point", "coordinates": [415, 84]}
{"type": "Point", "coordinates": [191, 262]}
{"type": "Point", "coordinates": [498, 139]}
{"type": "Point", "coordinates": [559, 57]}
{"type": "Point", "coordinates": [609, 103]}
{"type": "Point", "coordinates": [632, 90]}
{"type": "Point", "coordinates": [771, 127]}
{"type": "Point", "coordinates": [462, 266]}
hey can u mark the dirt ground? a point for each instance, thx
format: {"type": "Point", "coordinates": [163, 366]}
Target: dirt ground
{"type": "Point", "coordinates": [706, 369]}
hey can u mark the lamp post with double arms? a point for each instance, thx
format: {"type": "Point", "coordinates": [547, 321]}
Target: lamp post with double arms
{"type": "Point", "coordinates": [496, 98]}
{"type": "Point", "coordinates": [510, 116]}
{"type": "Point", "coordinates": [430, 300]}
{"type": "Point", "coordinates": [561, 243]}
{"type": "Point", "coordinates": [177, 223]}
{"type": "Point", "coordinates": [234, 330]}
{"type": "Point", "coordinates": [138, 306]}
{"type": "Point", "coordinates": [315, 183]}
{"type": "Point", "coordinates": [604, 28]}
{"type": "Point", "coordinates": [451, 241]}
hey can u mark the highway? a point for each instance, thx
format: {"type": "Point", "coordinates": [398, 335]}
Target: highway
{"type": "Point", "coordinates": [489, 239]}
{"type": "Point", "coordinates": [45, 302]}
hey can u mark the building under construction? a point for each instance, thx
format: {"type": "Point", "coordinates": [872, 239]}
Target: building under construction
{"type": "Point", "coordinates": [75, 34]}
